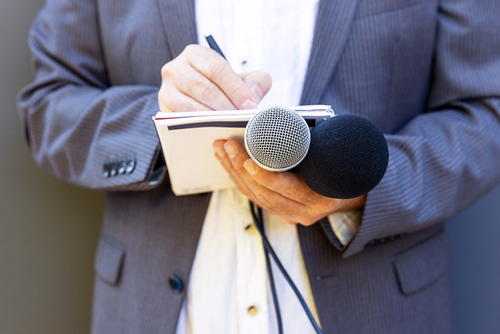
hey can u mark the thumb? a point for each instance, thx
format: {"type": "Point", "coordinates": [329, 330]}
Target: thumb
{"type": "Point", "coordinates": [259, 83]}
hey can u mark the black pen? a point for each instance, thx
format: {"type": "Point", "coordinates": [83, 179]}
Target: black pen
{"type": "Point", "coordinates": [213, 45]}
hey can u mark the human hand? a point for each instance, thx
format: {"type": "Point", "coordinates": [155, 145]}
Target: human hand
{"type": "Point", "coordinates": [284, 194]}
{"type": "Point", "coordinates": [200, 79]}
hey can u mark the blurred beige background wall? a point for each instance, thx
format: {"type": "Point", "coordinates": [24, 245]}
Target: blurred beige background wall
{"type": "Point", "coordinates": [49, 230]}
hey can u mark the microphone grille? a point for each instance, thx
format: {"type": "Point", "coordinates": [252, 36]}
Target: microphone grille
{"type": "Point", "coordinates": [277, 138]}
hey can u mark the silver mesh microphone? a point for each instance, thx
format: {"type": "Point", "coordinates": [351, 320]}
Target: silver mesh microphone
{"type": "Point", "coordinates": [277, 138]}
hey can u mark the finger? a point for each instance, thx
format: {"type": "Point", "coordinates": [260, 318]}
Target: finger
{"type": "Point", "coordinates": [278, 203]}
{"type": "Point", "coordinates": [170, 99]}
{"type": "Point", "coordinates": [259, 83]}
{"type": "Point", "coordinates": [242, 186]}
{"type": "Point", "coordinates": [293, 186]}
{"type": "Point", "coordinates": [210, 64]}
{"type": "Point", "coordinates": [192, 83]}
{"type": "Point", "coordinates": [223, 159]}
{"type": "Point", "coordinates": [285, 183]}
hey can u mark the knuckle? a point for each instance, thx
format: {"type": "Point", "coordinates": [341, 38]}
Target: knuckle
{"type": "Point", "coordinates": [266, 199]}
{"type": "Point", "coordinates": [190, 49]}
{"type": "Point", "coordinates": [293, 191]}
{"type": "Point", "coordinates": [328, 205]}
{"type": "Point", "coordinates": [216, 71]}
{"type": "Point", "coordinates": [306, 221]}
{"type": "Point", "coordinates": [166, 71]}
{"type": "Point", "coordinates": [240, 169]}
{"type": "Point", "coordinates": [227, 166]}
{"type": "Point", "coordinates": [207, 91]}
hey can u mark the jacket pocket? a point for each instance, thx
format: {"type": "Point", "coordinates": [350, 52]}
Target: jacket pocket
{"type": "Point", "coordinates": [423, 265]}
{"type": "Point", "coordinates": [109, 260]}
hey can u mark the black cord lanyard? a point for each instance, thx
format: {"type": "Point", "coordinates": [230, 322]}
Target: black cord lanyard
{"type": "Point", "coordinates": [259, 224]}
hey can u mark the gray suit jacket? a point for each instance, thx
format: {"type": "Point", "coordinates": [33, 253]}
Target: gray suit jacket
{"type": "Point", "coordinates": [427, 72]}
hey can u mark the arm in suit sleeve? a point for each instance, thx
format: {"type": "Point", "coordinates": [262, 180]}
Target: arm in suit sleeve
{"type": "Point", "coordinates": [447, 158]}
{"type": "Point", "coordinates": [74, 120]}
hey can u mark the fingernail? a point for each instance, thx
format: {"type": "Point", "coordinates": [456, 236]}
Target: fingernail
{"type": "Point", "coordinates": [249, 104]}
{"type": "Point", "coordinates": [250, 167]}
{"type": "Point", "coordinates": [229, 151]}
{"type": "Point", "coordinates": [220, 152]}
{"type": "Point", "coordinates": [257, 93]}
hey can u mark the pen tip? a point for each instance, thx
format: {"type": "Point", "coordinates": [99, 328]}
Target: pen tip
{"type": "Point", "coordinates": [207, 34]}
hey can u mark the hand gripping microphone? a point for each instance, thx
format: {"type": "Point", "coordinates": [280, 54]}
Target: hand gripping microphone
{"type": "Point", "coordinates": [344, 156]}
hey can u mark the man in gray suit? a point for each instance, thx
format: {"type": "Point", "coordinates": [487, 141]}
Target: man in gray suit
{"type": "Point", "coordinates": [427, 72]}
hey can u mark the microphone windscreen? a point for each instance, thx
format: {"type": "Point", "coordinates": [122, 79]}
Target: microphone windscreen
{"type": "Point", "coordinates": [277, 138]}
{"type": "Point", "coordinates": [347, 158]}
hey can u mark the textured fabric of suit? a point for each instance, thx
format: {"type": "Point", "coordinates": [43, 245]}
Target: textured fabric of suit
{"type": "Point", "coordinates": [427, 72]}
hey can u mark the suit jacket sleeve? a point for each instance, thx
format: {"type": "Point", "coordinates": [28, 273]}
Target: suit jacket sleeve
{"type": "Point", "coordinates": [447, 158]}
{"type": "Point", "coordinates": [74, 120]}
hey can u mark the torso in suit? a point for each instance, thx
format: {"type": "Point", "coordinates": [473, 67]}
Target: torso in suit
{"type": "Point", "coordinates": [427, 72]}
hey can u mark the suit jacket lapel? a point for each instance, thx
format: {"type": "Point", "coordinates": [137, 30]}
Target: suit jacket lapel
{"type": "Point", "coordinates": [333, 25]}
{"type": "Point", "coordinates": [179, 24]}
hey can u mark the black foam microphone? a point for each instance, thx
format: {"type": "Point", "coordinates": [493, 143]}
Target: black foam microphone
{"type": "Point", "coordinates": [347, 158]}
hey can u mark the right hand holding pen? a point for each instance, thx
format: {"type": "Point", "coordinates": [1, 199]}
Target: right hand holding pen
{"type": "Point", "coordinates": [200, 79]}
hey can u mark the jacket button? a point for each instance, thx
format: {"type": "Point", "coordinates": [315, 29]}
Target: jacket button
{"type": "Point", "coordinates": [122, 166]}
{"type": "Point", "coordinates": [130, 166]}
{"type": "Point", "coordinates": [371, 243]}
{"type": "Point", "coordinates": [112, 168]}
{"type": "Point", "coordinates": [176, 284]}
{"type": "Point", "coordinates": [105, 169]}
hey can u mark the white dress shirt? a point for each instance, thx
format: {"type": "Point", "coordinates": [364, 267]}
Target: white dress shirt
{"type": "Point", "coordinates": [228, 291]}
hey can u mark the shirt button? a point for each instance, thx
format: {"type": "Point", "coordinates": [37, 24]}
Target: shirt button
{"type": "Point", "coordinates": [250, 229]}
{"type": "Point", "coordinates": [244, 65]}
{"type": "Point", "coordinates": [252, 310]}
{"type": "Point", "coordinates": [176, 284]}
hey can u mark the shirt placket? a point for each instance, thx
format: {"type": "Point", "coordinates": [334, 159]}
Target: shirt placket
{"type": "Point", "coordinates": [251, 278]}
